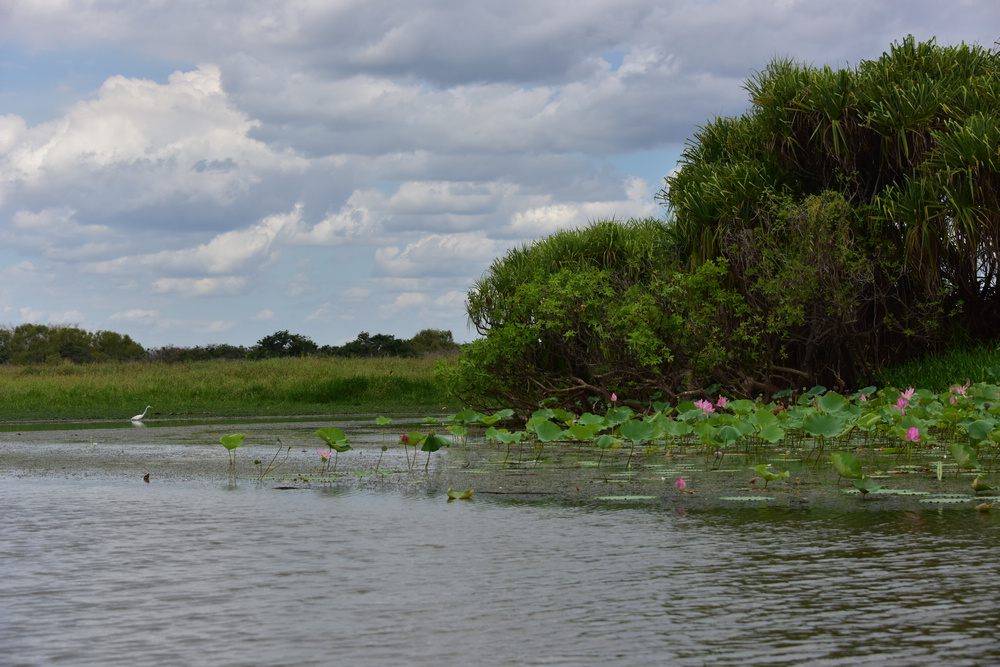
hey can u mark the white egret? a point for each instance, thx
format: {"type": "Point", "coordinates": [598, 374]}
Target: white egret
{"type": "Point", "coordinates": [138, 418]}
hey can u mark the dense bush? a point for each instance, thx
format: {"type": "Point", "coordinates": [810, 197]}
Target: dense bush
{"type": "Point", "coordinates": [848, 220]}
{"type": "Point", "coordinates": [39, 343]}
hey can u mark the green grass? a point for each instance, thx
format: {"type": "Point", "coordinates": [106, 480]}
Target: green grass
{"type": "Point", "coordinates": [290, 386]}
{"type": "Point", "coordinates": [940, 371]}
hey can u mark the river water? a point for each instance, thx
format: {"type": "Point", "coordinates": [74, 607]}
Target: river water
{"type": "Point", "coordinates": [108, 570]}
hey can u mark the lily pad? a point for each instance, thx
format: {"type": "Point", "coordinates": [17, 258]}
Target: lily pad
{"type": "Point", "coordinates": [625, 497]}
{"type": "Point", "coordinates": [760, 497]}
{"type": "Point", "coordinates": [945, 500]}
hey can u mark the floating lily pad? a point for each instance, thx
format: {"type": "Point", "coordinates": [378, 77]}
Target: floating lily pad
{"type": "Point", "coordinates": [891, 492]}
{"type": "Point", "coordinates": [760, 497]}
{"type": "Point", "coordinates": [948, 499]}
{"type": "Point", "coordinates": [625, 497]}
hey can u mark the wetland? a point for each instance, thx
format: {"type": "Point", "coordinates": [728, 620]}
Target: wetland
{"type": "Point", "coordinates": [560, 555]}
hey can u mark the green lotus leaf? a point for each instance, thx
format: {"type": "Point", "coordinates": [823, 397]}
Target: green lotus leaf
{"type": "Point", "coordinates": [546, 431]}
{"type": "Point", "coordinates": [638, 430]}
{"type": "Point", "coordinates": [965, 455]}
{"type": "Point", "coordinates": [846, 464]}
{"type": "Point", "coordinates": [231, 442]}
{"type": "Point", "coordinates": [827, 426]}
{"type": "Point", "coordinates": [831, 402]}
{"type": "Point", "coordinates": [772, 433]}
{"type": "Point", "coordinates": [434, 442]}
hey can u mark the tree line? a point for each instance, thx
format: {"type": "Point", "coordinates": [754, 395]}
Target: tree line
{"type": "Point", "coordinates": [28, 344]}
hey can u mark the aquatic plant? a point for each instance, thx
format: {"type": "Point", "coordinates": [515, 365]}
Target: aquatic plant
{"type": "Point", "coordinates": [979, 485]}
{"type": "Point", "coordinates": [432, 443]}
{"type": "Point", "coordinates": [335, 439]}
{"type": "Point", "coordinates": [231, 443]}
{"type": "Point", "coordinates": [847, 465]}
{"type": "Point", "coordinates": [262, 470]}
{"type": "Point", "coordinates": [769, 476]}
{"type": "Point", "coordinates": [459, 495]}
{"type": "Point", "coordinates": [866, 485]}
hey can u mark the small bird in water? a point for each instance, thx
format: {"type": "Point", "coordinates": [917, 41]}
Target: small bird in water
{"type": "Point", "coordinates": [145, 478]}
{"type": "Point", "coordinates": [978, 486]}
{"type": "Point", "coordinates": [140, 417]}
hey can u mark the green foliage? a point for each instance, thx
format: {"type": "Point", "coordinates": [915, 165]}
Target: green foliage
{"type": "Point", "coordinates": [858, 207]}
{"type": "Point", "coordinates": [591, 311]}
{"type": "Point", "coordinates": [38, 343]}
{"type": "Point", "coordinates": [848, 220]}
{"type": "Point", "coordinates": [846, 464]}
{"type": "Point", "coordinates": [284, 344]}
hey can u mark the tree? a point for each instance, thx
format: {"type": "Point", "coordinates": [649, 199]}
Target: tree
{"type": "Point", "coordinates": [433, 342]}
{"type": "Point", "coordinates": [379, 345]}
{"type": "Point", "coordinates": [848, 220]}
{"type": "Point", "coordinates": [284, 344]}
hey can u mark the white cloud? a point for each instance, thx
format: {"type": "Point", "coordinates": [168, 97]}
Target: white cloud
{"type": "Point", "coordinates": [200, 286]}
{"type": "Point", "coordinates": [356, 293]}
{"type": "Point", "coordinates": [438, 255]}
{"type": "Point", "coordinates": [136, 315]}
{"type": "Point", "coordinates": [66, 318]}
{"type": "Point", "coordinates": [225, 253]}
{"type": "Point", "coordinates": [548, 219]}
{"type": "Point", "coordinates": [407, 301]}
{"type": "Point", "coordinates": [148, 143]}
{"type": "Point", "coordinates": [353, 159]}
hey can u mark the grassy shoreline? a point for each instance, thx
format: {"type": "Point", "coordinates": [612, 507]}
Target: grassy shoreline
{"type": "Point", "coordinates": [288, 386]}
{"type": "Point", "coordinates": [315, 386]}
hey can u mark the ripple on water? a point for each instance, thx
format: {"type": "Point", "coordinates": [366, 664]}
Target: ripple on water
{"type": "Point", "coordinates": [195, 573]}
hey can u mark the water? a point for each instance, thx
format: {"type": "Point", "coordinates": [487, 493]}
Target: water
{"type": "Point", "coordinates": [104, 571]}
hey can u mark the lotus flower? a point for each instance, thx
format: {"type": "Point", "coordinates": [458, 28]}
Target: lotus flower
{"type": "Point", "coordinates": [706, 406]}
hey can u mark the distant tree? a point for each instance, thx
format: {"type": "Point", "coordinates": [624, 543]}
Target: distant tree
{"type": "Point", "coordinates": [40, 343]}
{"type": "Point", "coordinates": [434, 342]}
{"type": "Point", "coordinates": [110, 345]}
{"type": "Point", "coordinates": [379, 345]}
{"type": "Point", "coordinates": [172, 354]}
{"type": "Point", "coordinates": [284, 344]}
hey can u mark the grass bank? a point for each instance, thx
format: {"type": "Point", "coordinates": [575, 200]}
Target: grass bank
{"type": "Point", "coordinates": [289, 386]}
{"type": "Point", "coordinates": [940, 371]}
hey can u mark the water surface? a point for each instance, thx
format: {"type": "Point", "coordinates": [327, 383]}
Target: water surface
{"type": "Point", "coordinates": [201, 572]}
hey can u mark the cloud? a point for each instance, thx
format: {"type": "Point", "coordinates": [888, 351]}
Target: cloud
{"type": "Point", "coordinates": [438, 255]}
{"type": "Point", "coordinates": [172, 167]}
{"type": "Point", "coordinates": [147, 143]}
{"type": "Point", "coordinates": [136, 315]}
{"type": "Point", "coordinates": [544, 220]}
{"type": "Point", "coordinates": [227, 252]}
{"type": "Point", "coordinates": [200, 286]}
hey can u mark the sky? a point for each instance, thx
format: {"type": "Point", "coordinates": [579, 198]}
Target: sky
{"type": "Point", "coordinates": [193, 173]}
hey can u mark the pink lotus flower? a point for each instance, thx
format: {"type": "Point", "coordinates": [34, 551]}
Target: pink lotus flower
{"type": "Point", "coordinates": [614, 397]}
{"type": "Point", "coordinates": [864, 399]}
{"type": "Point", "coordinates": [959, 390]}
{"type": "Point", "coordinates": [324, 454]}
{"type": "Point", "coordinates": [913, 435]}
{"type": "Point", "coordinates": [681, 484]}
{"type": "Point", "coordinates": [901, 405]}
{"type": "Point", "coordinates": [706, 406]}
{"type": "Point", "coordinates": [721, 402]}
{"type": "Point", "coordinates": [908, 394]}
{"type": "Point", "coordinates": [404, 439]}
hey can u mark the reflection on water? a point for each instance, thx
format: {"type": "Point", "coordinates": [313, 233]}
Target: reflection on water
{"type": "Point", "coordinates": [99, 572]}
